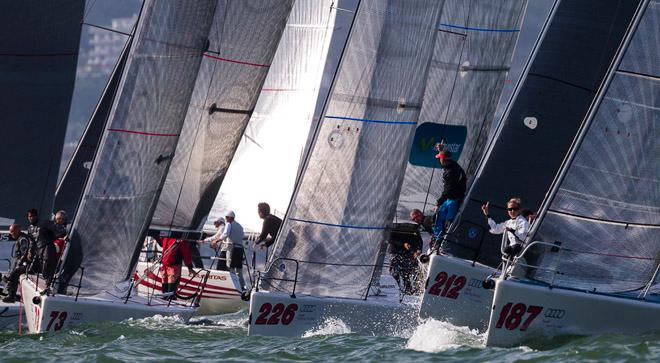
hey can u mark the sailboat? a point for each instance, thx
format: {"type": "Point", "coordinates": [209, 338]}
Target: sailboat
{"type": "Point", "coordinates": [328, 257]}
{"type": "Point", "coordinates": [37, 73]}
{"type": "Point", "coordinates": [232, 74]}
{"type": "Point", "coordinates": [538, 127]}
{"type": "Point", "coordinates": [599, 226]}
{"type": "Point", "coordinates": [127, 174]}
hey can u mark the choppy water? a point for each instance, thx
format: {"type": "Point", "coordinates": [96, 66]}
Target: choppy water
{"type": "Point", "coordinates": [224, 338]}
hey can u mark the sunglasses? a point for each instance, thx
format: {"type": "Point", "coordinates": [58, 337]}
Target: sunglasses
{"type": "Point", "coordinates": [512, 209]}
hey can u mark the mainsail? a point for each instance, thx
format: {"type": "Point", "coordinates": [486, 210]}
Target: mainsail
{"type": "Point", "coordinates": [38, 58]}
{"type": "Point", "coordinates": [265, 165]}
{"type": "Point", "coordinates": [345, 199]}
{"type": "Point", "coordinates": [471, 59]}
{"type": "Point", "coordinates": [605, 212]}
{"type": "Point", "coordinates": [242, 43]}
{"type": "Point", "coordinates": [140, 138]}
{"type": "Point", "coordinates": [562, 78]}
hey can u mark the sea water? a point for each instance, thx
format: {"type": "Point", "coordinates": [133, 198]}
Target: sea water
{"type": "Point", "coordinates": [223, 338]}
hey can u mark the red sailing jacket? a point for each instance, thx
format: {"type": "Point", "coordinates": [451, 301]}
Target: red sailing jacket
{"type": "Point", "coordinates": [176, 254]}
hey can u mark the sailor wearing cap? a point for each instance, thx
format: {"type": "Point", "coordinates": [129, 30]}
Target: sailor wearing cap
{"type": "Point", "coordinates": [231, 249]}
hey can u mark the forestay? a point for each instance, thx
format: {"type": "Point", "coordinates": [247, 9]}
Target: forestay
{"type": "Point", "coordinates": [38, 55]}
{"type": "Point", "coordinates": [561, 80]}
{"type": "Point", "coordinates": [471, 60]}
{"type": "Point", "coordinates": [140, 138]}
{"type": "Point", "coordinates": [606, 211]}
{"type": "Point", "coordinates": [242, 43]}
{"type": "Point", "coordinates": [345, 200]}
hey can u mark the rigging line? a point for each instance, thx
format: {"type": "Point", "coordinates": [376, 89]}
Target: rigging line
{"type": "Point", "coordinates": [480, 29]}
{"type": "Point", "coordinates": [108, 29]}
{"type": "Point", "coordinates": [142, 133]}
{"type": "Point", "coordinates": [550, 78]}
{"type": "Point", "coordinates": [338, 225]}
{"type": "Point", "coordinates": [233, 60]}
{"type": "Point", "coordinates": [89, 9]}
{"type": "Point", "coordinates": [638, 74]}
{"type": "Point", "coordinates": [606, 221]}
{"type": "Point", "coordinates": [372, 121]}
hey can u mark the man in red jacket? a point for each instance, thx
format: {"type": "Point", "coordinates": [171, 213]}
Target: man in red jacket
{"type": "Point", "coordinates": [174, 253]}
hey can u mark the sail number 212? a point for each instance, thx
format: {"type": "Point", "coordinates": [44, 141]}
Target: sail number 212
{"type": "Point", "coordinates": [452, 285]}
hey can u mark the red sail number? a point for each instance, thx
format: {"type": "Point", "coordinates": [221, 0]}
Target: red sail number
{"type": "Point", "coordinates": [452, 285]}
{"type": "Point", "coordinates": [60, 317]}
{"type": "Point", "coordinates": [511, 316]}
{"type": "Point", "coordinates": [287, 314]}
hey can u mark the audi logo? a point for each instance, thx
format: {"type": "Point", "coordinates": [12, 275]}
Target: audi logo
{"type": "Point", "coordinates": [555, 313]}
{"type": "Point", "coordinates": [475, 283]}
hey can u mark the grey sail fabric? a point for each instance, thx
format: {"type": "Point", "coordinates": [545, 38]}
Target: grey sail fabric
{"type": "Point", "coordinates": [243, 40]}
{"type": "Point", "coordinates": [266, 162]}
{"type": "Point", "coordinates": [561, 82]}
{"type": "Point", "coordinates": [38, 58]}
{"type": "Point", "coordinates": [471, 59]}
{"type": "Point", "coordinates": [70, 188]}
{"type": "Point", "coordinates": [345, 200]}
{"type": "Point", "coordinates": [606, 211]}
{"type": "Point", "coordinates": [139, 139]}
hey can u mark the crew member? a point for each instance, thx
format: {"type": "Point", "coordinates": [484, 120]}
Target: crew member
{"type": "Point", "coordinates": [453, 191]}
{"type": "Point", "coordinates": [174, 253]}
{"type": "Point", "coordinates": [270, 226]}
{"type": "Point", "coordinates": [516, 227]}
{"type": "Point", "coordinates": [231, 248]}
{"type": "Point", "coordinates": [20, 261]}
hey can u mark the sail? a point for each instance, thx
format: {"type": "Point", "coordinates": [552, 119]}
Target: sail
{"type": "Point", "coordinates": [38, 58]}
{"type": "Point", "coordinates": [346, 197]}
{"type": "Point", "coordinates": [140, 138]}
{"type": "Point", "coordinates": [243, 40]}
{"type": "Point", "coordinates": [266, 162]}
{"type": "Point", "coordinates": [471, 60]}
{"type": "Point", "coordinates": [606, 210]}
{"type": "Point", "coordinates": [562, 78]}
{"type": "Point", "coordinates": [70, 188]}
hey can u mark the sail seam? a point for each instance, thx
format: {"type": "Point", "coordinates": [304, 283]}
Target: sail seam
{"type": "Point", "coordinates": [602, 220]}
{"type": "Point", "coordinates": [561, 81]}
{"type": "Point", "coordinates": [235, 61]}
{"type": "Point", "coordinates": [338, 225]}
{"type": "Point", "coordinates": [372, 121]}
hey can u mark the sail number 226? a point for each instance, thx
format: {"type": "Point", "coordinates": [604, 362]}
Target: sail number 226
{"type": "Point", "coordinates": [280, 313]}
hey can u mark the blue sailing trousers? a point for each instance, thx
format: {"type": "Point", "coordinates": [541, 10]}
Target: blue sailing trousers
{"type": "Point", "coordinates": [446, 213]}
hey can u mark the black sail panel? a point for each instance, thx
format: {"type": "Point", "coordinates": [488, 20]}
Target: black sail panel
{"type": "Point", "coordinates": [38, 58]}
{"type": "Point", "coordinates": [541, 123]}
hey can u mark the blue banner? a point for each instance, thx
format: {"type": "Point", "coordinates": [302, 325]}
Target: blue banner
{"type": "Point", "coordinates": [428, 134]}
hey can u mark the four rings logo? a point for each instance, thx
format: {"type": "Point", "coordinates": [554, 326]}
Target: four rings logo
{"type": "Point", "coordinates": [475, 283]}
{"type": "Point", "coordinates": [554, 313]}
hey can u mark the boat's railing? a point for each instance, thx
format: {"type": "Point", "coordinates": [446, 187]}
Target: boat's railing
{"type": "Point", "coordinates": [450, 238]}
{"type": "Point", "coordinates": [197, 295]}
{"type": "Point", "coordinates": [260, 275]}
{"type": "Point", "coordinates": [510, 262]}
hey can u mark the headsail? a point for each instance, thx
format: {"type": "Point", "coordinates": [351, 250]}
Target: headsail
{"type": "Point", "coordinates": [140, 138]}
{"type": "Point", "coordinates": [471, 60]}
{"type": "Point", "coordinates": [551, 101]}
{"type": "Point", "coordinates": [243, 40]}
{"type": "Point", "coordinates": [38, 58]}
{"type": "Point", "coordinates": [70, 188]}
{"type": "Point", "coordinates": [345, 200]}
{"type": "Point", "coordinates": [605, 211]}
{"type": "Point", "coordinates": [265, 165]}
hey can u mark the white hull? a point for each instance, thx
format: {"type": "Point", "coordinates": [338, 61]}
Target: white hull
{"type": "Point", "coordinates": [9, 315]}
{"type": "Point", "coordinates": [550, 312]}
{"type": "Point", "coordinates": [220, 295]}
{"type": "Point", "coordinates": [454, 292]}
{"type": "Point", "coordinates": [279, 314]}
{"type": "Point", "coordinates": [53, 313]}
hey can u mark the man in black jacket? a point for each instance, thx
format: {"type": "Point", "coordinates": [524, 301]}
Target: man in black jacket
{"type": "Point", "coordinates": [453, 191]}
{"type": "Point", "coordinates": [270, 227]}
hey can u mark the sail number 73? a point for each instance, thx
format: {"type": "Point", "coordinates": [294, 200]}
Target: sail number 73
{"type": "Point", "coordinates": [512, 315]}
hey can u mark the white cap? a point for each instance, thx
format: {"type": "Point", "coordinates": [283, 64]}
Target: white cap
{"type": "Point", "coordinates": [230, 214]}
{"type": "Point", "coordinates": [219, 221]}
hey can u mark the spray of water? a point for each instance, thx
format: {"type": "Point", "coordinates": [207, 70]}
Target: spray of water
{"type": "Point", "coordinates": [436, 336]}
{"type": "Point", "coordinates": [330, 326]}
